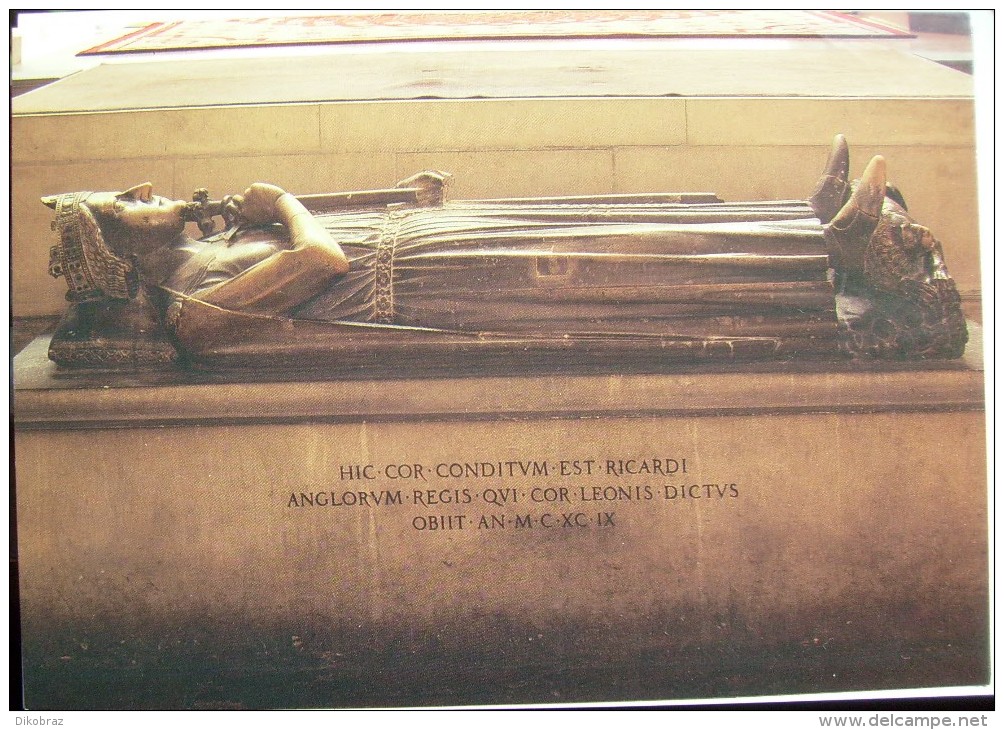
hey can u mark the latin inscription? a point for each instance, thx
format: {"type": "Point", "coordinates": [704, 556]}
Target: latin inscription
{"type": "Point", "coordinates": [533, 494]}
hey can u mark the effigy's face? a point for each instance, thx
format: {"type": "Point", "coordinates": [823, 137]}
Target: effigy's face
{"type": "Point", "coordinates": [140, 212]}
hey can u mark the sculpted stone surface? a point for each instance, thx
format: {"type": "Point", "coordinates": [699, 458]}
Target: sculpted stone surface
{"type": "Point", "coordinates": [351, 277]}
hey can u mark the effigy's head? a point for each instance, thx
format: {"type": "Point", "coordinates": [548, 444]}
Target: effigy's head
{"type": "Point", "coordinates": [101, 234]}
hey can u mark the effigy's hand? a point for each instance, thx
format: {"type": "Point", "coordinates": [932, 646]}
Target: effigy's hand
{"type": "Point", "coordinates": [231, 210]}
{"type": "Point", "coordinates": [257, 206]}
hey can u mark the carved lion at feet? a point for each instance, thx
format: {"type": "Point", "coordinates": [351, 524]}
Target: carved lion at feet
{"type": "Point", "coordinates": [905, 304]}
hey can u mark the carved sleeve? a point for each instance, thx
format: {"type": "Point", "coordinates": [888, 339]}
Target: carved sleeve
{"type": "Point", "coordinates": [289, 277]}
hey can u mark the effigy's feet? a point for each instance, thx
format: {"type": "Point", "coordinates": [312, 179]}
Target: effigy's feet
{"type": "Point", "coordinates": [906, 303]}
{"type": "Point", "coordinates": [851, 229]}
{"type": "Point", "coordinates": [833, 187]}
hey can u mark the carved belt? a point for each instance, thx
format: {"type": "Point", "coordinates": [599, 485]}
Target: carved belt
{"type": "Point", "coordinates": [384, 300]}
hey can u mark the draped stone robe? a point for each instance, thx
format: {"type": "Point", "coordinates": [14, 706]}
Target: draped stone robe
{"type": "Point", "coordinates": [693, 273]}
